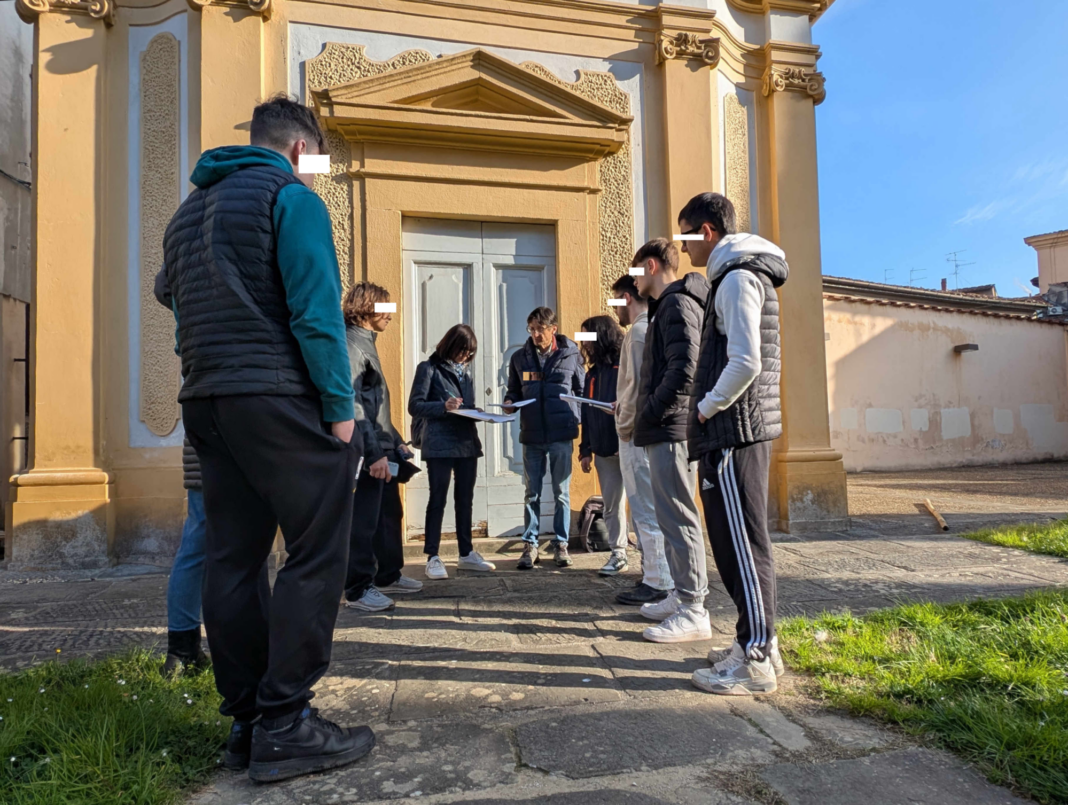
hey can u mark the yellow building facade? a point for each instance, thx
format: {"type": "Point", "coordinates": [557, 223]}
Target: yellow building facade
{"type": "Point", "coordinates": [486, 156]}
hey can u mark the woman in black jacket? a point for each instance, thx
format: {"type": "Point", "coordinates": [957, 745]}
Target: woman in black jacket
{"type": "Point", "coordinates": [599, 444]}
{"type": "Point", "coordinates": [449, 443]}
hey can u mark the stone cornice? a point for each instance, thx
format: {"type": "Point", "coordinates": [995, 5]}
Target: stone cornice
{"type": "Point", "coordinates": [814, 8]}
{"type": "Point", "coordinates": [1048, 239]}
{"type": "Point", "coordinates": [797, 79]}
{"type": "Point", "coordinates": [30, 10]}
{"type": "Point", "coordinates": [257, 6]}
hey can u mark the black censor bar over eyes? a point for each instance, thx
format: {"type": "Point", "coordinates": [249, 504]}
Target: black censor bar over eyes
{"type": "Point", "coordinates": [315, 164]}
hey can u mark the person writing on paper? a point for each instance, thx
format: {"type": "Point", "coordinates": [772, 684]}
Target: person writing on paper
{"type": "Point", "coordinates": [449, 445]}
{"type": "Point", "coordinates": [547, 366]}
{"type": "Point", "coordinates": [599, 445]}
{"type": "Point", "coordinates": [376, 549]}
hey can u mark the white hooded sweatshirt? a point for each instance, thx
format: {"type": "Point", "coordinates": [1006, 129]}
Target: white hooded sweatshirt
{"type": "Point", "coordinates": [738, 305]}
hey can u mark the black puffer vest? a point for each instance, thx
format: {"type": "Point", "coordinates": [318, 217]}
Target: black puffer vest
{"type": "Point", "coordinates": [233, 321]}
{"type": "Point", "coordinates": [756, 416]}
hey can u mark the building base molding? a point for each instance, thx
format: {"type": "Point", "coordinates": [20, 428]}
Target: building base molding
{"type": "Point", "coordinates": [60, 519]}
{"type": "Point", "coordinates": [812, 494]}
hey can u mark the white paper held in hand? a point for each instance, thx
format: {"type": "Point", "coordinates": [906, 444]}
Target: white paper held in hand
{"type": "Point", "coordinates": [313, 163]}
{"type": "Point", "coordinates": [604, 406]}
{"type": "Point", "coordinates": [484, 416]}
{"type": "Point", "coordinates": [385, 307]}
{"type": "Point", "coordinates": [519, 404]}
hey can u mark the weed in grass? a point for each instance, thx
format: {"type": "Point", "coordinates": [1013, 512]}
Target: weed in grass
{"type": "Point", "coordinates": [1047, 538]}
{"type": "Point", "coordinates": [987, 679]}
{"type": "Point", "coordinates": [106, 732]}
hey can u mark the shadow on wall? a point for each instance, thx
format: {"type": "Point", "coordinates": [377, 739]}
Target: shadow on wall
{"type": "Point", "coordinates": [901, 398]}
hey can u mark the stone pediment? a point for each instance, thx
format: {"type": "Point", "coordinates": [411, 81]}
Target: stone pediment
{"type": "Point", "coordinates": [473, 99]}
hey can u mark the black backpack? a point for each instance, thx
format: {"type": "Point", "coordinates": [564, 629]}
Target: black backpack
{"type": "Point", "coordinates": [592, 528]}
{"type": "Point", "coordinates": [417, 432]}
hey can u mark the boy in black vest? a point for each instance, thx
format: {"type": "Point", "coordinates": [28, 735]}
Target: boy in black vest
{"type": "Point", "coordinates": [267, 404]}
{"type": "Point", "coordinates": [734, 416]}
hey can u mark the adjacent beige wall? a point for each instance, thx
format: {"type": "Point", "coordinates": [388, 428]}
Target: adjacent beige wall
{"type": "Point", "coordinates": [901, 398]}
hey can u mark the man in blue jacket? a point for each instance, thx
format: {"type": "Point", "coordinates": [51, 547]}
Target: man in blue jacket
{"type": "Point", "coordinates": [547, 366]}
{"type": "Point", "coordinates": [267, 404]}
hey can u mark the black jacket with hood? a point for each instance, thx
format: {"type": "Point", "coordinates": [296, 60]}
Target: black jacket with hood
{"type": "Point", "coordinates": [550, 419]}
{"type": "Point", "coordinates": [670, 361]}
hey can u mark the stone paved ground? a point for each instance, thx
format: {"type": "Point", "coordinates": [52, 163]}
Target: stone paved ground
{"type": "Point", "coordinates": [535, 687]}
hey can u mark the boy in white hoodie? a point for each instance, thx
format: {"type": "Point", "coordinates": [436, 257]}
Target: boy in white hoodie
{"type": "Point", "coordinates": [735, 416]}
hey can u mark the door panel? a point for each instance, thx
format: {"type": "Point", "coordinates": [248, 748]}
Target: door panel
{"type": "Point", "coordinates": [490, 276]}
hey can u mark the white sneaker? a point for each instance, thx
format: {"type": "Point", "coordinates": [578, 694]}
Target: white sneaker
{"type": "Point", "coordinates": [616, 564]}
{"type": "Point", "coordinates": [690, 623]}
{"type": "Point", "coordinates": [474, 561]}
{"type": "Point", "coordinates": [739, 677]}
{"type": "Point", "coordinates": [435, 568]}
{"type": "Point", "coordinates": [661, 610]}
{"type": "Point", "coordinates": [372, 600]}
{"type": "Point", "coordinates": [721, 659]}
{"type": "Point", "coordinates": [404, 584]}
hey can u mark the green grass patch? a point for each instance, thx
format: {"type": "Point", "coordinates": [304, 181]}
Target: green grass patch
{"type": "Point", "coordinates": [988, 679]}
{"type": "Point", "coordinates": [1048, 538]}
{"type": "Point", "coordinates": [106, 732]}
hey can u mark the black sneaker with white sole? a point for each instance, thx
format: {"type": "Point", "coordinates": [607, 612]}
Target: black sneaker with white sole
{"type": "Point", "coordinates": [641, 593]}
{"type": "Point", "coordinates": [309, 744]}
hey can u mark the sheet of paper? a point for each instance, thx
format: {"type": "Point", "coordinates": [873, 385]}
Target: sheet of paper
{"type": "Point", "coordinates": [484, 416]}
{"type": "Point", "coordinates": [604, 406]}
{"type": "Point", "coordinates": [519, 404]}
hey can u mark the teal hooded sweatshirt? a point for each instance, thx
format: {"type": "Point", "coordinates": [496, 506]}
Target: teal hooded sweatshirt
{"type": "Point", "coordinates": [310, 274]}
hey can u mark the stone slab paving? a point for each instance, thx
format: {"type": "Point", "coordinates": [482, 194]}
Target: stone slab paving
{"type": "Point", "coordinates": [536, 687]}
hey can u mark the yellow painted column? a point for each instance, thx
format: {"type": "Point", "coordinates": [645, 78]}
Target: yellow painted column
{"type": "Point", "coordinates": [60, 512]}
{"type": "Point", "coordinates": [809, 478]}
{"type": "Point", "coordinates": [686, 52]}
{"type": "Point", "coordinates": [231, 74]}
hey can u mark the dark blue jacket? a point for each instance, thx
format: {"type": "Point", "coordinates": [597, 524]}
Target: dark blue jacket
{"type": "Point", "coordinates": [599, 436]}
{"type": "Point", "coordinates": [550, 419]}
{"type": "Point", "coordinates": [447, 435]}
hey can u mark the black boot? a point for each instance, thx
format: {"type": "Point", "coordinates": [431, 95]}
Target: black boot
{"type": "Point", "coordinates": [641, 593]}
{"type": "Point", "coordinates": [308, 744]}
{"type": "Point", "coordinates": [184, 651]}
{"type": "Point", "coordinates": [238, 746]}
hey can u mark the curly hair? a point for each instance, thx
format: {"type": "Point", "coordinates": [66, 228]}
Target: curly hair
{"type": "Point", "coordinates": [606, 349]}
{"type": "Point", "coordinates": [359, 303]}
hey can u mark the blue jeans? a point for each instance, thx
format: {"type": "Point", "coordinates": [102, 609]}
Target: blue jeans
{"type": "Point", "coordinates": [559, 456]}
{"type": "Point", "coordinates": [187, 572]}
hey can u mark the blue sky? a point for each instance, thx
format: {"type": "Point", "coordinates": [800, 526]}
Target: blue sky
{"type": "Point", "coordinates": [945, 128]}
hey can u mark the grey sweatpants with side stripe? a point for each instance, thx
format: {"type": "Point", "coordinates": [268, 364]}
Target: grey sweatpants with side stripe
{"type": "Point", "coordinates": [734, 491]}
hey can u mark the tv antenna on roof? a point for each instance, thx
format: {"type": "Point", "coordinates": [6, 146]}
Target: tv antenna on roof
{"type": "Point", "coordinates": [953, 259]}
{"type": "Point", "coordinates": [916, 274]}
{"type": "Point", "coordinates": [888, 274]}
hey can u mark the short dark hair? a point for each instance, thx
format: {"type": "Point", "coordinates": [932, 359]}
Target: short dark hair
{"type": "Point", "coordinates": [627, 284]}
{"type": "Point", "coordinates": [458, 341]}
{"type": "Point", "coordinates": [606, 349]}
{"type": "Point", "coordinates": [542, 316]}
{"type": "Point", "coordinates": [359, 303]}
{"type": "Point", "coordinates": [280, 121]}
{"type": "Point", "coordinates": [660, 248]}
{"type": "Point", "coordinates": [713, 209]}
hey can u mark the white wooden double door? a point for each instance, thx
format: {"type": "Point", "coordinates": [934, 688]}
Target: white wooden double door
{"type": "Point", "coordinates": [488, 276]}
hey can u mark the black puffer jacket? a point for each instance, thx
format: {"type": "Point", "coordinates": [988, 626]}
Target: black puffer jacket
{"type": "Point", "coordinates": [190, 467]}
{"type": "Point", "coordinates": [670, 361]}
{"type": "Point", "coordinates": [447, 435]}
{"type": "Point", "coordinates": [599, 436]}
{"type": "Point", "coordinates": [550, 419]}
{"type": "Point", "coordinates": [380, 438]}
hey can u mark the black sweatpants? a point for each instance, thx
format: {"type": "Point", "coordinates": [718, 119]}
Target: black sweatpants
{"type": "Point", "coordinates": [439, 472]}
{"type": "Point", "coordinates": [734, 491]}
{"type": "Point", "coordinates": [376, 545]}
{"type": "Point", "coordinates": [268, 462]}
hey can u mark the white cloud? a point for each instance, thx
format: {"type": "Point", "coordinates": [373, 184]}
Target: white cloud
{"type": "Point", "coordinates": [980, 213]}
